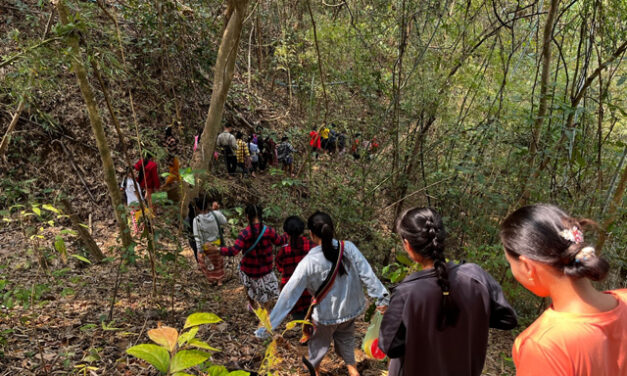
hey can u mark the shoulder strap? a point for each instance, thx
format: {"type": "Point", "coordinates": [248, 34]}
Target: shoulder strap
{"type": "Point", "coordinates": [219, 228]}
{"type": "Point", "coordinates": [263, 231]}
{"type": "Point", "coordinates": [328, 282]}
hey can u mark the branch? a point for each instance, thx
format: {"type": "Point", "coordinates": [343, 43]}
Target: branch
{"type": "Point", "coordinates": [14, 57]}
{"type": "Point", "coordinates": [577, 98]}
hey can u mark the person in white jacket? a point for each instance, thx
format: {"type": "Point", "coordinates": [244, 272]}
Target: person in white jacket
{"type": "Point", "coordinates": [207, 228]}
{"type": "Point", "coordinates": [335, 314]}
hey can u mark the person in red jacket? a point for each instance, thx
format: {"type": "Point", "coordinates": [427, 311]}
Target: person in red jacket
{"type": "Point", "coordinates": [314, 140]}
{"type": "Point", "coordinates": [148, 177]}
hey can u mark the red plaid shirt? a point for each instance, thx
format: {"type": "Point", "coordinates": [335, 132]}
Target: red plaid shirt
{"type": "Point", "coordinates": [257, 262]}
{"type": "Point", "coordinates": [286, 261]}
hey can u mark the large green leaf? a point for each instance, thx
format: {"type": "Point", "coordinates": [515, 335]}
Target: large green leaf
{"type": "Point", "coordinates": [200, 318]}
{"type": "Point", "coordinates": [153, 354]}
{"type": "Point", "coordinates": [217, 371]}
{"type": "Point", "coordinates": [188, 335]}
{"type": "Point", "coordinates": [202, 345]}
{"type": "Point", "coordinates": [187, 358]}
{"type": "Point", "coordinates": [239, 372]}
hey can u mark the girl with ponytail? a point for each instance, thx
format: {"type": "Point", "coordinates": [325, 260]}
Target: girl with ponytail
{"type": "Point", "coordinates": [584, 331]}
{"type": "Point", "coordinates": [334, 316]}
{"type": "Point", "coordinates": [438, 319]}
{"type": "Point", "coordinates": [255, 242]}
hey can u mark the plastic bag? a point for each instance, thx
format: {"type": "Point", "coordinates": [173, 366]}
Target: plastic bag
{"type": "Point", "coordinates": [370, 345]}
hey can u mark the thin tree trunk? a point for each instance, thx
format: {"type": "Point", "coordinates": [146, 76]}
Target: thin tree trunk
{"type": "Point", "coordinates": [544, 100]}
{"type": "Point", "coordinates": [83, 233]}
{"type": "Point", "coordinates": [96, 125]}
{"type": "Point", "coordinates": [4, 145]}
{"type": "Point", "coordinates": [222, 77]}
{"type": "Point", "coordinates": [614, 205]}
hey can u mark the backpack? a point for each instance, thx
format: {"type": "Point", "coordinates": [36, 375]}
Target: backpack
{"type": "Point", "coordinates": [283, 151]}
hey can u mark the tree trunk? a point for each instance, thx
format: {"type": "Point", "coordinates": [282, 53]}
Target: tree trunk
{"type": "Point", "coordinates": [222, 77]}
{"type": "Point", "coordinates": [544, 100]}
{"type": "Point", "coordinates": [83, 233]}
{"type": "Point", "coordinates": [4, 145]}
{"type": "Point", "coordinates": [96, 125]}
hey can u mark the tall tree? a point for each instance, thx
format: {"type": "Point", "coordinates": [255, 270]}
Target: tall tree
{"type": "Point", "coordinates": [96, 125]}
{"type": "Point", "coordinates": [222, 77]}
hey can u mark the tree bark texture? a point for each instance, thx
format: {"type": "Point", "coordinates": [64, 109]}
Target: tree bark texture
{"type": "Point", "coordinates": [222, 77]}
{"type": "Point", "coordinates": [96, 125]}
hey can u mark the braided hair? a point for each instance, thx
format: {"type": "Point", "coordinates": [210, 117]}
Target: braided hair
{"type": "Point", "coordinates": [321, 225]}
{"type": "Point", "coordinates": [424, 231]}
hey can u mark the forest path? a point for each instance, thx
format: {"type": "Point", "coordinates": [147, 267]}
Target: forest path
{"type": "Point", "coordinates": [60, 317]}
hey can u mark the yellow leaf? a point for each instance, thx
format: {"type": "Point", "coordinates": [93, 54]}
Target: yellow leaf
{"type": "Point", "coordinates": [164, 336]}
{"type": "Point", "coordinates": [264, 317]}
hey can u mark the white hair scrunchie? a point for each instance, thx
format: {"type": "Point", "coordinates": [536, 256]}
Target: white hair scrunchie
{"type": "Point", "coordinates": [585, 254]}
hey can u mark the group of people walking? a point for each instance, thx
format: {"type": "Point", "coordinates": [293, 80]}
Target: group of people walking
{"type": "Point", "coordinates": [253, 153]}
{"type": "Point", "coordinates": [436, 320]}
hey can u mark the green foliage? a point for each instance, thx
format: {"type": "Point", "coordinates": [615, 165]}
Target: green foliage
{"type": "Point", "coordinates": [172, 354]}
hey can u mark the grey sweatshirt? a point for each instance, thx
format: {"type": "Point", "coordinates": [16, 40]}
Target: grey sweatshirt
{"type": "Point", "coordinates": [206, 229]}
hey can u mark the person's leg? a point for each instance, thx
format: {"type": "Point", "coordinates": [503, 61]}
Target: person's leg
{"type": "Point", "coordinates": [344, 340]}
{"type": "Point", "coordinates": [319, 343]}
{"type": "Point", "coordinates": [232, 164]}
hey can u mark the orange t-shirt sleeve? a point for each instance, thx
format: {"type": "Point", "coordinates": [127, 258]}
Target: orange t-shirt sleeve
{"type": "Point", "coordinates": [533, 359]}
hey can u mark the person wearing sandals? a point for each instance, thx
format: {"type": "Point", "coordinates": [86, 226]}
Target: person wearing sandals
{"type": "Point", "coordinates": [207, 228]}
{"type": "Point", "coordinates": [334, 315]}
{"type": "Point", "coordinates": [255, 242]}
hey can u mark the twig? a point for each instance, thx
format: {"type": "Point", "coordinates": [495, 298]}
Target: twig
{"type": "Point", "coordinates": [43, 361]}
{"type": "Point", "coordinates": [78, 172]}
{"type": "Point", "coordinates": [12, 58]}
{"type": "Point", "coordinates": [418, 191]}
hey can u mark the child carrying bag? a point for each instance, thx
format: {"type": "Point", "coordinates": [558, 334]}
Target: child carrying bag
{"type": "Point", "coordinates": [309, 329]}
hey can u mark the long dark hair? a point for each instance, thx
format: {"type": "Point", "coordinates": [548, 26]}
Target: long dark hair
{"type": "Point", "coordinates": [294, 227]}
{"type": "Point", "coordinates": [544, 233]}
{"type": "Point", "coordinates": [253, 211]}
{"type": "Point", "coordinates": [321, 225]}
{"type": "Point", "coordinates": [140, 177]}
{"type": "Point", "coordinates": [424, 230]}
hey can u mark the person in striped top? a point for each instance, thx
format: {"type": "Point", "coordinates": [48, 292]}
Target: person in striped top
{"type": "Point", "coordinates": [255, 242]}
{"type": "Point", "coordinates": [288, 258]}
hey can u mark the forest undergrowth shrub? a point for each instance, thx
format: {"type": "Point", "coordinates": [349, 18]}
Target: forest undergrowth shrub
{"type": "Point", "coordinates": [175, 352]}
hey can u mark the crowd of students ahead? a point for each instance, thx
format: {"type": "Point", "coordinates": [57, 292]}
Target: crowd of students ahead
{"type": "Point", "coordinates": [436, 320]}
{"type": "Point", "coordinates": [253, 153]}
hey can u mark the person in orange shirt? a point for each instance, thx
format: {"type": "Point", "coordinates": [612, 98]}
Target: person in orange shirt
{"type": "Point", "coordinates": [584, 331]}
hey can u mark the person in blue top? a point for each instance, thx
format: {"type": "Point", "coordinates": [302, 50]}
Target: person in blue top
{"type": "Point", "coordinates": [335, 314]}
